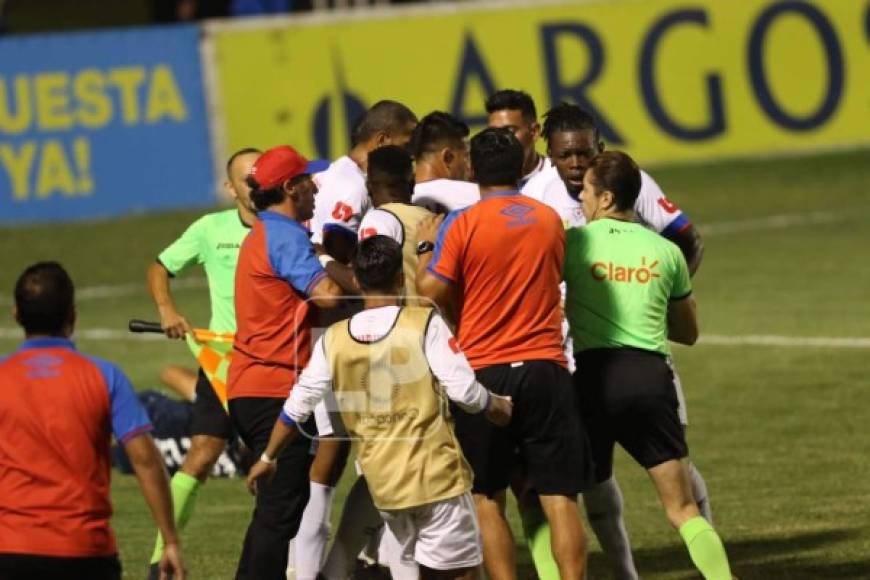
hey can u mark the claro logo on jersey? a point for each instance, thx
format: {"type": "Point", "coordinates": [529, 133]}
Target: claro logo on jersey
{"type": "Point", "coordinates": [611, 272]}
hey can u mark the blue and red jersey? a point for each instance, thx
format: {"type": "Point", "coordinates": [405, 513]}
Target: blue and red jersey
{"type": "Point", "coordinates": [276, 271]}
{"type": "Point", "coordinates": [58, 411]}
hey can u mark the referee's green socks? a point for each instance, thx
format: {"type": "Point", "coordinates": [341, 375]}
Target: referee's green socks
{"type": "Point", "coordinates": [537, 532]}
{"type": "Point", "coordinates": [706, 549]}
{"type": "Point", "coordinates": [184, 491]}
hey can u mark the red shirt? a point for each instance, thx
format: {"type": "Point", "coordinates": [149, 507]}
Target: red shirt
{"type": "Point", "coordinates": [58, 410]}
{"type": "Point", "coordinates": [506, 253]}
{"type": "Point", "coordinates": [276, 270]}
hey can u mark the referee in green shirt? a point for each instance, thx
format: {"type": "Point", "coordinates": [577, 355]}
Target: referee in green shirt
{"type": "Point", "coordinates": [212, 241]}
{"type": "Point", "coordinates": [628, 293]}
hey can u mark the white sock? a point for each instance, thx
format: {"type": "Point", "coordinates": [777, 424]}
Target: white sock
{"type": "Point", "coordinates": [359, 520]}
{"type": "Point", "coordinates": [313, 534]}
{"type": "Point", "coordinates": [604, 510]}
{"type": "Point", "coordinates": [699, 490]}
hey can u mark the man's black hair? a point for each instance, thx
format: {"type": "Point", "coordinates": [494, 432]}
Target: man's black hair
{"type": "Point", "coordinates": [435, 131]}
{"type": "Point", "coordinates": [384, 116]}
{"type": "Point", "coordinates": [390, 167]}
{"type": "Point", "coordinates": [616, 172]}
{"type": "Point", "coordinates": [377, 263]}
{"type": "Point", "coordinates": [513, 100]}
{"type": "Point", "coordinates": [568, 117]}
{"type": "Point", "coordinates": [239, 153]}
{"type": "Point", "coordinates": [265, 198]}
{"type": "Point", "coordinates": [496, 157]}
{"type": "Point", "coordinates": [44, 298]}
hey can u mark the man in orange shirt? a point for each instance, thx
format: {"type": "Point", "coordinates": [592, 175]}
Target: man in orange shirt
{"type": "Point", "coordinates": [278, 277]}
{"type": "Point", "coordinates": [58, 411]}
{"type": "Point", "coordinates": [504, 256]}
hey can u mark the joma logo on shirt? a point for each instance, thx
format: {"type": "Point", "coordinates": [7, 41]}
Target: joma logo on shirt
{"type": "Point", "coordinates": [228, 246]}
{"type": "Point", "coordinates": [611, 272]}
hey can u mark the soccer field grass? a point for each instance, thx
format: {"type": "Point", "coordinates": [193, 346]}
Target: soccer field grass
{"type": "Point", "coordinates": [779, 424]}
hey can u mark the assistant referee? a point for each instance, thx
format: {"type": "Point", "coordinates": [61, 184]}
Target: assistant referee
{"type": "Point", "coordinates": [628, 292]}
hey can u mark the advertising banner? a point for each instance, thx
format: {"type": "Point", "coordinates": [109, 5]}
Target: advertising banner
{"type": "Point", "coordinates": [669, 80]}
{"type": "Point", "coordinates": [102, 124]}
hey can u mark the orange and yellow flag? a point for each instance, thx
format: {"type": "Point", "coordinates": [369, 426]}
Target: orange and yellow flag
{"type": "Point", "coordinates": [213, 351]}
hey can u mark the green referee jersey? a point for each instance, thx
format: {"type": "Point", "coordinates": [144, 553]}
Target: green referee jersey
{"type": "Point", "coordinates": [213, 241]}
{"type": "Point", "coordinates": [620, 277]}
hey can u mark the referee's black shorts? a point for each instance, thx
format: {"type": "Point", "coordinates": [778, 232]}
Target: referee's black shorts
{"type": "Point", "coordinates": [209, 416]}
{"type": "Point", "coordinates": [545, 434]}
{"type": "Point", "coordinates": [627, 396]}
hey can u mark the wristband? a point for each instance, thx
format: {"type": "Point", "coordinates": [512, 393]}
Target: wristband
{"type": "Point", "coordinates": [267, 460]}
{"type": "Point", "coordinates": [325, 259]}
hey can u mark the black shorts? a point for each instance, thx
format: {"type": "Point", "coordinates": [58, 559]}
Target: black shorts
{"type": "Point", "coordinates": [209, 416]}
{"type": "Point", "coordinates": [627, 396]}
{"type": "Point", "coordinates": [31, 567]}
{"type": "Point", "coordinates": [545, 434]}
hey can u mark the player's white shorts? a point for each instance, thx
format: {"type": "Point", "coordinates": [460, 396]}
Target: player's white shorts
{"type": "Point", "coordinates": [442, 536]}
{"type": "Point", "coordinates": [681, 398]}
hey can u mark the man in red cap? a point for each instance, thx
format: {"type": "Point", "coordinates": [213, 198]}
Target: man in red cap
{"type": "Point", "coordinates": [278, 276]}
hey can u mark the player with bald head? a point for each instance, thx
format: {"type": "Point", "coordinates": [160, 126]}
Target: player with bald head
{"type": "Point", "coordinates": [213, 241]}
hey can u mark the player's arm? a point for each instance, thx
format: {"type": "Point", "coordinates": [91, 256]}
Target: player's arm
{"type": "Point", "coordinates": [174, 324]}
{"type": "Point", "coordinates": [180, 254]}
{"type": "Point", "coordinates": [154, 482]}
{"type": "Point", "coordinates": [342, 274]}
{"type": "Point", "coordinates": [293, 258]}
{"type": "Point", "coordinates": [683, 321]}
{"type": "Point", "coordinates": [339, 242]}
{"type": "Point", "coordinates": [451, 368]}
{"type": "Point", "coordinates": [682, 311]}
{"type": "Point", "coordinates": [691, 245]}
{"type": "Point", "coordinates": [663, 215]}
{"type": "Point", "coordinates": [131, 428]}
{"type": "Point", "coordinates": [312, 385]}
{"type": "Point", "coordinates": [430, 285]}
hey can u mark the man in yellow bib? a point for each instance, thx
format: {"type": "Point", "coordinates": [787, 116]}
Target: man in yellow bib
{"type": "Point", "coordinates": [386, 366]}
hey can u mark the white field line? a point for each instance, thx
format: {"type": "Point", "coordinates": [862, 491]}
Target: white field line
{"type": "Point", "coordinates": [117, 290]}
{"type": "Point", "coordinates": [116, 334]}
{"type": "Point", "coordinates": [780, 221]}
{"type": "Point", "coordinates": [773, 222]}
{"type": "Point", "coordinates": [785, 341]}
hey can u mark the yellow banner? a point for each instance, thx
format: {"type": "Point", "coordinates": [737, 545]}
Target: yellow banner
{"type": "Point", "coordinates": [669, 80]}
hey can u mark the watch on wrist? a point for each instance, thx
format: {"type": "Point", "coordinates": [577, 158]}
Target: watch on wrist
{"type": "Point", "coordinates": [424, 246]}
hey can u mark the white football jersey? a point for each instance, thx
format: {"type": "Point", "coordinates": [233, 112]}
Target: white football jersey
{"type": "Point", "coordinates": [653, 209]}
{"type": "Point", "coordinates": [438, 195]}
{"type": "Point", "coordinates": [534, 184]}
{"type": "Point", "coordinates": [342, 198]}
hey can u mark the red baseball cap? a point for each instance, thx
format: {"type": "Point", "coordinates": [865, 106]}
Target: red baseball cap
{"type": "Point", "coordinates": [278, 165]}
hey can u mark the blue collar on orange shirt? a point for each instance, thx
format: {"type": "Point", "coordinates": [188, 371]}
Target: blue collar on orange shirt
{"type": "Point", "coordinates": [279, 217]}
{"type": "Point", "coordinates": [503, 193]}
{"type": "Point", "coordinates": [47, 342]}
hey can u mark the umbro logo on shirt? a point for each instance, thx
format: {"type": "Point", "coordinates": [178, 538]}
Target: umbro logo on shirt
{"type": "Point", "coordinates": [520, 214]}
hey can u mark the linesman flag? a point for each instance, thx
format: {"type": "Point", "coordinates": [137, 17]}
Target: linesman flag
{"type": "Point", "coordinates": [212, 350]}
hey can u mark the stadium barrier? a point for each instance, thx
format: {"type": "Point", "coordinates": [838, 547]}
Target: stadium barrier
{"type": "Point", "coordinates": [670, 80]}
{"type": "Point", "coordinates": [102, 124]}
{"type": "Point", "coordinates": [106, 123]}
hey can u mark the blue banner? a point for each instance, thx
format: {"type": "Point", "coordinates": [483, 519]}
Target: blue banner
{"type": "Point", "coordinates": [101, 124]}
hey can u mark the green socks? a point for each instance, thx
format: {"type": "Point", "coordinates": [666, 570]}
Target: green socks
{"type": "Point", "coordinates": [537, 532]}
{"type": "Point", "coordinates": [706, 549]}
{"type": "Point", "coordinates": [184, 491]}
